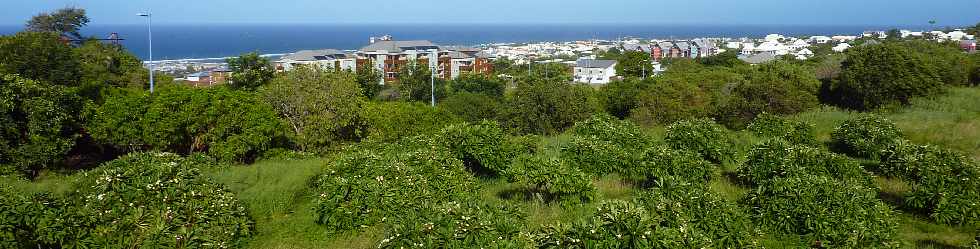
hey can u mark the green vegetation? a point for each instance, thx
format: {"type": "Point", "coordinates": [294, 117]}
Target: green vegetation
{"type": "Point", "coordinates": [317, 158]}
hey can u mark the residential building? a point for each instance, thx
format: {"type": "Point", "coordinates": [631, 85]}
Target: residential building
{"type": "Point", "coordinates": [326, 59]}
{"type": "Point", "coordinates": [840, 48]}
{"type": "Point", "coordinates": [970, 46]}
{"type": "Point", "coordinates": [390, 56]}
{"type": "Point", "coordinates": [199, 79]}
{"type": "Point", "coordinates": [594, 71]}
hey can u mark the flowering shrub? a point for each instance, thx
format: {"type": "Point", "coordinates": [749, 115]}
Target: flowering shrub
{"type": "Point", "coordinates": [595, 156]}
{"type": "Point", "coordinates": [607, 128]}
{"type": "Point", "coordinates": [773, 126]}
{"type": "Point", "coordinates": [945, 184]}
{"type": "Point", "coordinates": [616, 224]}
{"type": "Point", "coordinates": [41, 221]}
{"type": "Point", "coordinates": [454, 224]}
{"type": "Point", "coordinates": [160, 200]}
{"type": "Point", "coordinates": [551, 179]}
{"type": "Point", "coordinates": [866, 137]}
{"type": "Point", "coordinates": [825, 211]}
{"type": "Point", "coordinates": [703, 136]}
{"type": "Point", "coordinates": [368, 186]}
{"type": "Point", "coordinates": [483, 147]}
{"type": "Point", "coordinates": [776, 158]}
{"type": "Point", "coordinates": [661, 162]}
{"type": "Point", "coordinates": [708, 219]}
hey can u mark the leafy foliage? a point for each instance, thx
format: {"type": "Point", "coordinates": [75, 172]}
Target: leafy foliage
{"type": "Point", "coordinates": [548, 107]}
{"type": "Point", "coordinates": [321, 107]}
{"type": "Point", "coordinates": [877, 75]}
{"type": "Point", "coordinates": [457, 225]}
{"type": "Point", "coordinates": [773, 126]}
{"type": "Point", "coordinates": [774, 159]}
{"type": "Point", "coordinates": [620, 97]}
{"type": "Point", "coordinates": [473, 107]}
{"type": "Point", "coordinates": [867, 136]}
{"type": "Point", "coordinates": [483, 147]}
{"type": "Point", "coordinates": [65, 21]}
{"type": "Point", "coordinates": [478, 83]}
{"type": "Point", "coordinates": [369, 186]}
{"type": "Point", "coordinates": [416, 83]}
{"type": "Point", "coordinates": [708, 218]}
{"type": "Point", "coordinates": [551, 179]}
{"type": "Point", "coordinates": [391, 121]}
{"type": "Point", "coordinates": [688, 90]}
{"type": "Point", "coordinates": [228, 125]}
{"type": "Point", "coordinates": [778, 87]}
{"type": "Point", "coordinates": [634, 64]}
{"type": "Point", "coordinates": [40, 56]}
{"type": "Point", "coordinates": [250, 71]}
{"type": "Point", "coordinates": [824, 211]}
{"type": "Point", "coordinates": [106, 66]}
{"type": "Point", "coordinates": [369, 79]}
{"type": "Point", "coordinates": [702, 136]}
{"type": "Point", "coordinates": [39, 220]}
{"type": "Point", "coordinates": [661, 163]}
{"type": "Point", "coordinates": [944, 183]}
{"type": "Point", "coordinates": [39, 123]}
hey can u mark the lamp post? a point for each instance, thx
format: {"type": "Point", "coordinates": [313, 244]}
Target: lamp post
{"type": "Point", "coordinates": [149, 29]}
{"type": "Point", "coordinates": [433, 57]}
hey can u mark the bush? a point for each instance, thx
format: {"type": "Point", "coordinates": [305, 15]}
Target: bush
{"type": "Point", "coordinates": [661, 163]}
{"type": "Point", "coordinates": [478, 84]}
{"type": "Point", "coordinates": [472, 107]}
{"type": "Point", "coordinates": [40, 56]}
{"type": "Point", "coordinates": [771, 126]}
{"type": "Point", "coordinates": [604, 145]}
{"type": "Point", "coordinates": [825, 211]}
{"type": "Point", "coordinates": [457, 225]}
{"type": "Point", "coordinates": [140, 200]}
{"type": "Point", "coordinates": [366, 186]}
{"type": "Point", "coordinates": [232, 126]}
{"type": "Point", "coordinates": [777, 87]}
{"type": "Point", "coordinates": [38, 123]}
{"type": "Point", "coordinates": [703, 136]}
{"type": "Point", "coordinates": [945, 184]}
{"type": "Point", "coordinates": [867, 136]}
{"type": "Point", "coordinates": [320, 106]}
{"type": "Point", "coordinates": [616, 224]}
{"type": "Point", "coordinates": [877, 75]}
{"type": "Point", "coordinates": [775, 159]}
{"type": "Point", "coordinates": [392, 121]}
{"type": "Point", "coordinates": [551, 179]}
{"type": "Point", "coordinates": [548, 107]}
{"type": "Point", "coordinates": [620, 97]}
{"type": "Point", "coordinates": [606, 128]}
{"type": "Point", "coordinates": [705, 214]}
{"type": "Point", "coordinates": [483, 147]}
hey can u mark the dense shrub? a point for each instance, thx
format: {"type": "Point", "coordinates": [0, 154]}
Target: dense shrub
{"type": "Point", "coordinates": [472, 107]}
{"type": "Point", "coordinates": [551, 179]}
{"type": "Point", "coordinates": [391, 121]}
{"type": "Point", "coordinates": [548, 107]}
{"type": "Point", "coordinates": [883, 74]}
{"type": "Point", "coordinates": [367, 186]}
{"type": "Point", "coordinates": [616, 224]}
{"type": "Point", "coordinates": [40, 56]}
{"type": "Point", "coordinates": [321, 106]}
{"type": "Point", "coordinates": [825, 211]}
{"type": "Point", "coordinates": [620, 97]}
{"type": "Point", "coordinates": [660, 163]}
{"type": "Point", "coordinates": [153, 200]}
{"type": "Point", "coordinates": [483, 147]}
{"type": "Point", "coordinates": [619, 132]}
{"type": "Point", "coordinates": [702, 212]}
{"type": "Point", "coordinates": [683, 94]}
{"type": "Point", "coordinates": [38, 123]}
{"type": "Point", "coordinates": [772, 126]}
{"type": "Point", "coordinates": [867, 136]}
{"type": "Point", "coordinates": [228, 125]}
{"type": "Point", "coordinates": [777, 87]}
{"type": "Point", "coordinates": [945, 184]}
{"type": "Point", "coordinates": [949, 61]}
{"type": "Point", "coordinates": [39, 220]}
{"type": "Point", "coordinates": [703, 136]}
{"type": "Point", "coordinates": [478, 84]}
{"type": "Point", "coordinates": [457, 225]}
{"type": "Point", "coordinates": [774, 159]}
{"type": "Point", "coordinates": [604, 145]}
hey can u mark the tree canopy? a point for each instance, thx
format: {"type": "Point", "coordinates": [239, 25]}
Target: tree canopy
{"type": "Point", "coordinates": [250, 71]}
{"type": "Point", "coordinates": [66, 22]}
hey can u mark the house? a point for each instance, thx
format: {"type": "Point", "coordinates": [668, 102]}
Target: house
{"type": "Point", "coordinates": [220, 75]}
{"type": "Point", "coordinates": [798, 44]}
{"type": "Point", "coordinates": [199, 79]}
{"type": "Point", "coordinates": [956, 35]}
{"type": "Point", "coordinates": [840, 48]}
{"type": "Point", "coordinates": [390, 56]}
{"type": "Point", "coordinates": [326, 59]}
{"type": "Point", "coordinates": [820, 39]}
{"type": "Point", "coordinates": [705, 47]}
{"type": "Point", "coordinates": [774, 37]}
{"type": "Point", "coordinates": [756, 59]}
{"type": "Point", "coordinates": [804, 54]}
{"type": "Point", "coordinates": [774, 48]}
{"type": "Point", "coordinates": [970, 46]}
{"type": "Point", "coordinates": [594, 71]}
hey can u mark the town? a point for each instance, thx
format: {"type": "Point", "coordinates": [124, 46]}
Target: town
{"type": "Point", "coordinates": [387, 55]}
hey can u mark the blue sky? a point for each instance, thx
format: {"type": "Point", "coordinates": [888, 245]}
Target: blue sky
{"type": "Point", "coordinates": [727, 12]}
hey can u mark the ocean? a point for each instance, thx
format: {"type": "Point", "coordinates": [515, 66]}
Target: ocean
{"type": "Point", "coordinates": [187, 41]}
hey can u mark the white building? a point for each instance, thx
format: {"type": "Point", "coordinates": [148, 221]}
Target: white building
{"type": "Point", "coordinates": [840, 48]}
{"type": "Point", "coordinates": [820, 39]}
{"type": "Point", "coordinates": [326, 59]}
{"type": "Point", "coordinates": [595, 71]}
{"type": "Point", "coordinates": [774, 37]}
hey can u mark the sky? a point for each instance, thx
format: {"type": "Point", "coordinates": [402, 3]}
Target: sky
{"type": "Point", "coordinates": [711, 12]}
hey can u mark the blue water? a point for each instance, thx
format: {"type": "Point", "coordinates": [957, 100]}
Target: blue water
{"type": "Point", "coordinates": [210, 41]}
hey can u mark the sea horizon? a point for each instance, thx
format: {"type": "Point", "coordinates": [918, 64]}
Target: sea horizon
{"type": "Point", "coordinates": [217, 41]}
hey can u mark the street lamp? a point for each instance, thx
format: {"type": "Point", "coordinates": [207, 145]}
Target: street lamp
{"type": "Point", "coordinates": [149, 28]}
{"type": "Point", "coordinates": [433, 56]}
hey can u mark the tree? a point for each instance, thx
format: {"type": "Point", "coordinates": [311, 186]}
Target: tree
{"type": "Point", "coordinates": [778, 87]}
{"type": "Point", "coordinates": [66, 22]}
{"type": "Point", "coordinates": [321, 106]}
{"type": "Point", "coordinates": [415, 83]}
{"type": "Point", "coordinates": [548, 107]}
{"type": "Point", "coordinates": [39, 123]}
{"type": "Point", "coordinates": [39, 56]}
{"type": "Point", "coordinates": [370, 80]}
{"type": "Point", "coordinates": [621, 97]}
{"type": "Point", "coordinates": [478, 83]}
{"type": "Point", "coordinates": [104, 66]}
{"type": "Point", "coordinates": [894, 34]}
{"type": "Point", "coordinates": [726, 59]}
{"type": "Point", "coordinates": [945, 58]}
{"type": "Point", "coordinates": [472, 107]}
{"type": "Point", "coordinates": [686, 91]}
{"type": "Point", "coordinates": [634, 64]}
{"type": "Point", "coordinates": [877, 75]}
{"type": "Point", "coordinates": [249, 71]}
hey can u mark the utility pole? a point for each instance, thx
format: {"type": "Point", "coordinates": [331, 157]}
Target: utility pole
{"type": "Point", "coordinates": [149, 29]}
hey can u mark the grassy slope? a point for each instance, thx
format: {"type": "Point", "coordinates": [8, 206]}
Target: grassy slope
{"type": "Point", "coordinates": [278, 195]}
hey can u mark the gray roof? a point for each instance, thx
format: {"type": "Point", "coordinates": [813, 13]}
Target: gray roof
{"type": "Point", "coordinates": [459, 55]}
{"type": "Point", "coordinates": [314, 55]}
{"type": "Point", "coordinates": [682, 45]}
{"type": "Point", "coordinates": [757, 58]}
{"type": "Point", "coordinates": [399, 46]}
{"type": "Point", "coordinates": [665, 45]}
{"type": "Point", "coordinates": [590, 63]}
{"type": "Point", "coordinates": [464, 49]}
{"type": "Point", "coordinates": [637, 47]}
